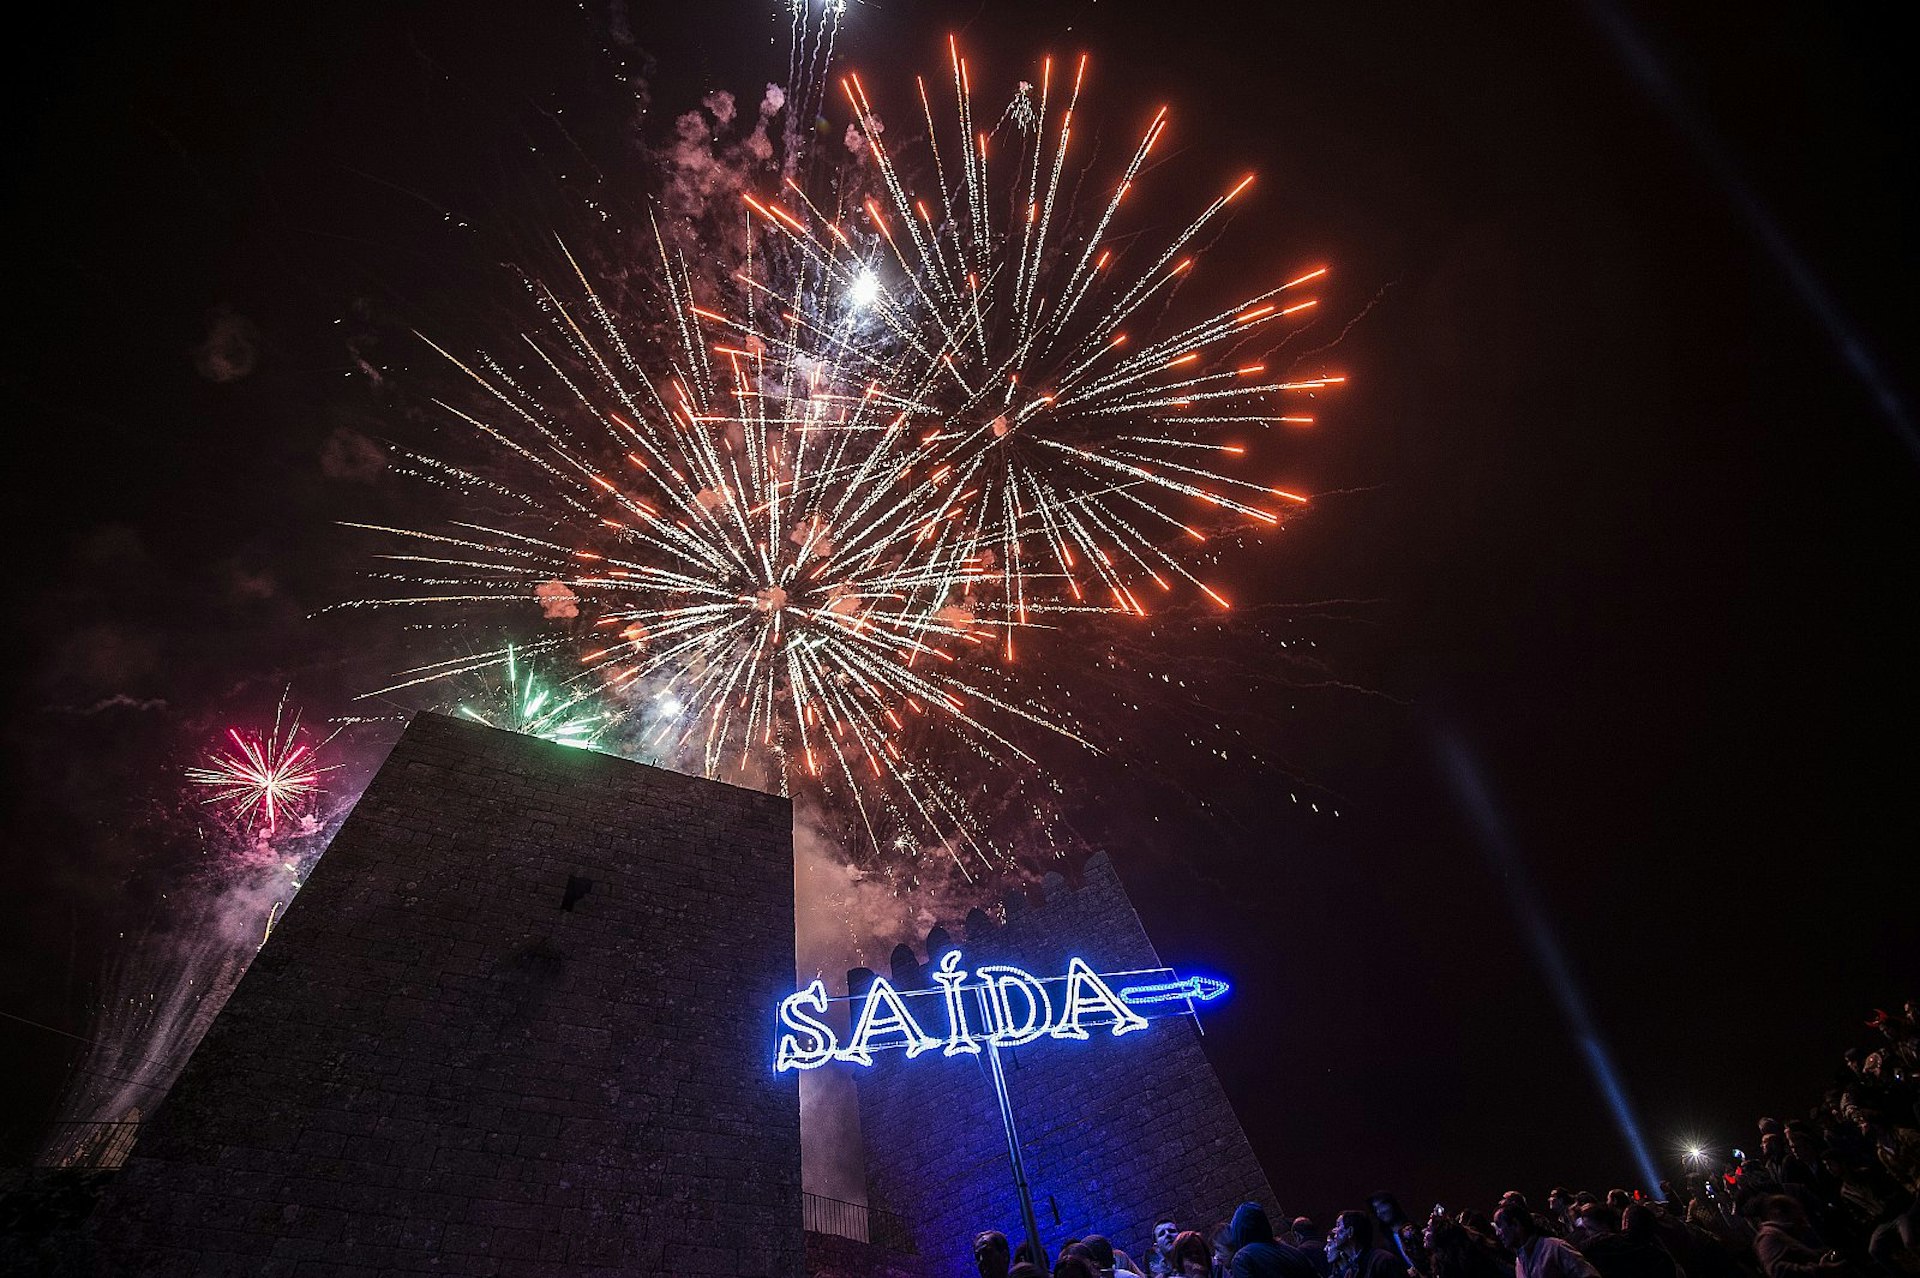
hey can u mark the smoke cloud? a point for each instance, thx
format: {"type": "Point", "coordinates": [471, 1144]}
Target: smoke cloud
{"type": "Point", "coordinates": [557, 603]}
{"type": "Point", "coordinates": [348, 455]}
{"type": "Point", "coordinates": [230, 349]}
{"type": "Point", "coordinates": [841, 919]}
{"type": "Point", "coordinates": [118, 701]}
{"type": "Point", "coordinates": [847, 917]}
{"type": "Point", "coordinates": [709, 164]}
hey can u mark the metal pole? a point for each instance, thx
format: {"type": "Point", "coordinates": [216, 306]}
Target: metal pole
{"type": "Point", "coordinates": [1013, 1144]}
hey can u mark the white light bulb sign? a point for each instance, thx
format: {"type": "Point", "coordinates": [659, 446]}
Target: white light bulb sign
{"type": "Point", "coordinates": [996, 1004]}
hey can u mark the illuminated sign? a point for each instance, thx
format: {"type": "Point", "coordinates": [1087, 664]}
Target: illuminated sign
{"type": "Point", "coordinates": [995, 1004]}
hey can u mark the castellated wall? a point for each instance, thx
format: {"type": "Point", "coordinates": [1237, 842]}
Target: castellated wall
{"type": "Point", "coordinates": [1118, 1133]}
{"type": "Point", "coordinates": [456, 1055]}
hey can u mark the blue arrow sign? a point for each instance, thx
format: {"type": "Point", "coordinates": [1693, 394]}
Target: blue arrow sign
{"type": "Point", "coordinates": [1203, 988]}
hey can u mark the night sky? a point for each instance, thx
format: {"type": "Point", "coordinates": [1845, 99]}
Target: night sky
{"type": "Point", "coordinates": [1608, 512]}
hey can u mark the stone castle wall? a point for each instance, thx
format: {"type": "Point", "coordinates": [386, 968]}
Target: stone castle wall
{"type": "Point", "coordinates": [516, 1023]}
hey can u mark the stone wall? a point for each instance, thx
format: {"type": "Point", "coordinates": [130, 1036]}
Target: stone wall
{"type": "Point", "coordinates": [1117, 1133]}
{"type": "Point", "coordinates": [515, 1023]}
{"type": "Point", "coordinates": [831, 1256]}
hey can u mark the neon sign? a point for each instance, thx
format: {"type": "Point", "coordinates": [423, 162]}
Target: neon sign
{"type": "Point", "coordinates": [1009, 1006]}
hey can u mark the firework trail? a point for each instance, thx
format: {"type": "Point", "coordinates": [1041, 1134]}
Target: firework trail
{"type": "Point", "coordinates": [815, 25]}
{"type": "Point", "coordinates": [791, 499]}
{"type": "Point", "coordinates": [161, 992]}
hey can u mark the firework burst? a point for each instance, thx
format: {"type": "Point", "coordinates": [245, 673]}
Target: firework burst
{"type": "Point", "coordinates": [261, 779]}
{"type": "Point", "coordinates": [511, 694]}
{"type": "Point", "coordinates": [1091, 442]}
{"type": "Point", "coordinates": [791, 507]}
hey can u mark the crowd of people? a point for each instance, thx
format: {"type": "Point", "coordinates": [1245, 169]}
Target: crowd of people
{"type": "Point", "coordinates": [1835, 1194]}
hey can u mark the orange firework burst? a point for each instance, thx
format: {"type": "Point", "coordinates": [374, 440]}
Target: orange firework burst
{"type": "Point", "coordinates": [793, 508]}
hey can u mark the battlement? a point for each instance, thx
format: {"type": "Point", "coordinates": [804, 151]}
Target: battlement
{"type": "Point", "coordinates": [1089, 916]}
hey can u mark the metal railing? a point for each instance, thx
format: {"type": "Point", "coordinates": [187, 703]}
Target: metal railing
{"type": "Point", "coordinates": [822, 1215]}
{"type": "Point", "coordinates": [93, 1145]}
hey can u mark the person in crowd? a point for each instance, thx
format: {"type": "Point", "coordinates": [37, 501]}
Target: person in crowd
{"type": "Point", "coordinates": [1560, 1209]}
{"type": "Point", "coordinates": [1189, 1255]}
{"type": "Point", "coordinates": [1106, 1257]}
{"type": "Point", "coordinates": [1863, 1194]}
{"type": "Point", "coordinates": [1785, 1244]}
{"type": "Point", "coordinates": [1802, 1163]}
{"type": "Point", "coordinates": [1312, 1242]}
{"type": "Point", "coordinates": [1076, 1260]}
{"type": "Point", "coordinates": [1856, 1089]}
{"type": "Point", "coordinates": [1898, 1091]}
{"type": "Point", "coordinates": [1583, 1224]}
{"type": "Point", "coordinates": [1901, 1035]}
{"type": "Point", "coordinates": [1221, 1239]}
{"type": "Point", "coordinates": [1026, 1269]}
{"type": "Point", "coordinates": [1480, 1225]}
{"type": "Point", "coordinates": [1453, 1251]}
{"type": "Point", "coordinates": [1773, 1157]}
{"type": "Point", "coordinates": [1536, 1254]}
{"type": "Point", "coordinates": [990, 1254]}
{"type": "Point", "coordinates": [1352, 1251]}
{"type": "Point", "coordinates": [1638, 1250]}
{"type": "Point", "coordinates": [1543, 1222]}
{"type": "Point", "coordinates": [1398, 1231]}
{"type": "Point", "coordinates": [1700, 1245]}
{"type": "Point", "coordinates": [1159, 1257]}
{"type": "Point", "coordinates": [1898, 1149]}
{"type": "Point", "coordinates": [1611, 1252]}
{"type": "Point", "coordinates": [1257, 1252]}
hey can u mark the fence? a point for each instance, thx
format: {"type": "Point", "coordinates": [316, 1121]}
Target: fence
{"type": "Point", "coordinates": [96, 1145]}
{"type": "Point", "coordinates": [857, 1221]}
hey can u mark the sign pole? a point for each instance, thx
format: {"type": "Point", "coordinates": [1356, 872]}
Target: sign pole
{"type": "Point", "coordinates": [1039, 1256]}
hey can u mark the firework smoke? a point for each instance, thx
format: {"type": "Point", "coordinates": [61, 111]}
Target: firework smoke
{"type": "Point", "coordinates": [170, 977]}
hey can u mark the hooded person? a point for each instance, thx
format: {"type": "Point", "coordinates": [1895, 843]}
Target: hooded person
{"type": "Point", "coordinates": [1257, 1253]}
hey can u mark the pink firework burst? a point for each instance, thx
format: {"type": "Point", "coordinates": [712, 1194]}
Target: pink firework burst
{"type": "Point", "coordinates": [261, 778]}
